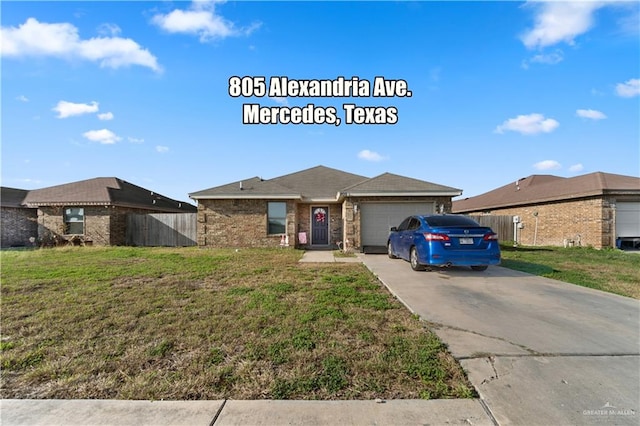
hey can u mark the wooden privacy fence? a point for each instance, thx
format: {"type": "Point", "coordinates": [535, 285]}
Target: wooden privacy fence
{"type": "Point", "coordinates": [501, 225]}
{"type": "Point", "coordinates": [161, 229]}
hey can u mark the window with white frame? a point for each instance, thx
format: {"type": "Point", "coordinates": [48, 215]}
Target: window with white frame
{"type": "Point", "coordinates": [276, 217]}
{"type": "Point", "coordinates": [74, 220]}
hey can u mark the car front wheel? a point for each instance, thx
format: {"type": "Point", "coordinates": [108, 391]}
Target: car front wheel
{"type": "Point", "coordinates": [413, 259]}
{"type": "Point", "coordinates": [390, 251]}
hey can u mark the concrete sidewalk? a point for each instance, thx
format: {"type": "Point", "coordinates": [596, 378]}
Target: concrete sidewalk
{"type": "Point", "coordinates": [241, 413]}
{"type": "Point", "coordinates": [324, 256]}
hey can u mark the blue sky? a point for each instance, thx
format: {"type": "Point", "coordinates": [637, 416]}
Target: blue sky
{"type": "Point", "coordinates": [140, 90]}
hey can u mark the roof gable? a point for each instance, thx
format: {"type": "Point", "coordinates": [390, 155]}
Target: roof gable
{"type": "Point", "coordinates": [536, 189]}
{"type": "Point", "coordinates": [396, 184]}
{"type": "Point", "coordinates": [319, 181]}
{"type": "Point", "coordinates": [108, 191]}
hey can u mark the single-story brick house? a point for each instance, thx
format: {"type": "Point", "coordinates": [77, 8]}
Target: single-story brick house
{"type": "Point", "coordinates": [315, 208]}
{"type": "Point", "coordinates": [94, 211]}
{"type": "Point", "coordinates": [597, 209]}
{"type": "Point", "coordinates": [17, 222]}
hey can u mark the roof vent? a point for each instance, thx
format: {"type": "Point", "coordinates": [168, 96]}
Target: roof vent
{"type": "Point", "coordinates": [241, 186]}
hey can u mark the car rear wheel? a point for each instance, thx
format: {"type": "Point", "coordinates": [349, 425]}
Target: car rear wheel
{"type": "Point", "coordinates": [479, 267]}
{"type": "Point", "coordinates": [413, 259]}
{"type": "Point", "coordinates": [390, 251]}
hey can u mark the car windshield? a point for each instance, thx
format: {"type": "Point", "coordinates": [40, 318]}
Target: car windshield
{"type": "Point", "coordinates": [445, 221]}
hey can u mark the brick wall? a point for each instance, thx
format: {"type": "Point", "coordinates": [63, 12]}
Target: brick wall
{"type": "Point", "coordinates": [239, 223]}
{"type": "Point", "coordinates": [17, 225]}
{"type": "Point", "coordinates": [97, 220]}
{"type": "Point", "coordinates": [103, 226]}
{"type": "Point", "coordinates": [587, 222]}
{"type": "Point", "coordinates": [243, 223]}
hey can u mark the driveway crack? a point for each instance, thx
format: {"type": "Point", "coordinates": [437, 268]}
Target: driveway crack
{"type": "Point", "coordinates": [495, 376]}
{"type": "Point", "coordinates": [436, 325]}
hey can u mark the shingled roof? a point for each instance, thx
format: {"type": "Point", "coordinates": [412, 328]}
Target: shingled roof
{"type": "Point", "coordinates": [105, 191]}
{"type": "Point", "coordinates": [537, 189]}
{"type": "Point", "coordinates": [390, 184]}
{"type": "Point", "coordinates": [254, 187]}
{"type": "Point", "coordinates": [12, 197]}
{"type": "Point", "coordinates": [322, 183]}
{"type": "Point", "coordinates": [319, 182]}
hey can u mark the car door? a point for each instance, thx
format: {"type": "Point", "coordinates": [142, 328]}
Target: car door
{"type": "Point", "coordinates": [396, 237]}
{"type": "Point", "coordinates": [409, 235]}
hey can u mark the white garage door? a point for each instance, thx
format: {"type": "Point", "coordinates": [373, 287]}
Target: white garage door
{"type": "Point", "coordinates": [628, 219]}
{"type": "Point", "coordinates": [377, 218]}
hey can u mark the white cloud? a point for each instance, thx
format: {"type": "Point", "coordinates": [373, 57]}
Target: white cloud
{"type": "Point", "coordinates": [109, 29]}
{"type": "Point", "coordinates": [547, 165]}
{"type": "Point", "coordinates": [200, 20]}
{"type": "Point", "coordinates": [104, 136]}
{"type": "Point", "coordinates": [162, 149]}
{"type": "Point", "coordinates": [549, 59]}
{"type": "Point", "coordinates": [591, 114]}
{"type": "Point", "coordinates": [576, 168]}
{"type": "Point", "coordinates": [105, 116]}
{"type": "Point", "coordinates": [28, 181]}
{"type": "Point", "coordinates": [61, 40]}
{"type": "Point", "coordinates": [629, 88]}
{"type": "Point", "coordinates": [630, 23]}
{"type": "Point", "coordinates": [68, 109]}
{"type": "Point", "coordinates": [557, 22]}
{"type": "Point", "coordinates": [367, 155]}
{"type": "Point", "coordinates": [135, 140]}
{"type": "Point", "coordinates": [528, 124]}
{"type": "Point", "coordinates": [279, 99]}
{"type": "Point", "coordinates": [22, 98]}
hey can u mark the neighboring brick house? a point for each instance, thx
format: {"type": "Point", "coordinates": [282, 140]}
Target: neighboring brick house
{"type": "Point", "coordinates": [17, 223]}
{"type": "Point", "coordinates": [315, 208]}
{"type": "Point", "coordinates": [94, 211]}
{"type": "Point", "coordinates": [596, 209]}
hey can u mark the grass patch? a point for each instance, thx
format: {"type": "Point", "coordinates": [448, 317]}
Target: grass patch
{"type": "Point", "coordinates": [609, 270]}
{"type": "Point", "coordinates": [160, 323]}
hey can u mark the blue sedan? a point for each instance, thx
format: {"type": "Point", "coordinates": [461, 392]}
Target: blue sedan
{"type": "Point", "coordinates": [444, 240]}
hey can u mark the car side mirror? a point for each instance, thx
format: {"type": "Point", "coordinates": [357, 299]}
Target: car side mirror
{"type": "Point", "coordinates": [393, 229]}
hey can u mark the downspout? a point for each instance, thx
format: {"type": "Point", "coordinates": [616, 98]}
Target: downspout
{"type": "Point", "coordinates": [535, 231]}
{"type": "Point", "coordinates": [614, 231]}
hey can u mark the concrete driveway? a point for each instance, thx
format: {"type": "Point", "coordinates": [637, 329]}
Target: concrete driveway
{"type": "Point", "coordinates": [538, 351]}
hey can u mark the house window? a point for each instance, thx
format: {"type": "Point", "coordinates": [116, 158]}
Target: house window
{"type": "Point", "coordinates": [277, 217]}
{"type": "Point", "coordinates": [74, 220]}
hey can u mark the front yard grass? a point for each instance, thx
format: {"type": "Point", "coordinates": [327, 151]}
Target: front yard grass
{"type": "Point", "coordinates": [614, 271]}
{"type": "Point", "coordinates": [187, 323]}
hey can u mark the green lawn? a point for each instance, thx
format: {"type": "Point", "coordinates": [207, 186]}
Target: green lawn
{"type": "Point", "coordinates": [609, 270]}
{"type": "Point", "coordinates": [187, 323]}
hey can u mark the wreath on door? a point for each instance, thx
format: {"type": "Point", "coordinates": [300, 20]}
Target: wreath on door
{"type": "Point", "coordinates": [320, 215]}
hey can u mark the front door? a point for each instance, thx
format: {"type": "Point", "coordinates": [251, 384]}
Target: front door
{"type": "Point", "coordinates": [320, 225]}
